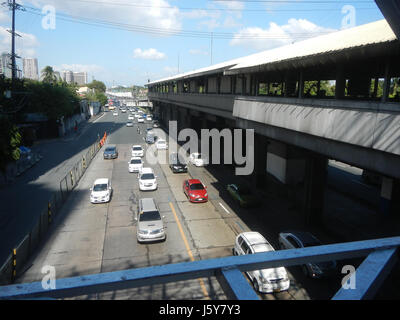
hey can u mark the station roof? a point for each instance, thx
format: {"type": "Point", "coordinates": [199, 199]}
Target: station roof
{"type": "Point", "coordinates": [377, 32]}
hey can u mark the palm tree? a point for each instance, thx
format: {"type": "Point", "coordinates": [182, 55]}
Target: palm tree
{"type": "Point", "coordinates": [49, 75]}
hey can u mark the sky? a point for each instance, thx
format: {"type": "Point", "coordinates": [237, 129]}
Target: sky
{"type": "Point", "coordinates": [128, 42]}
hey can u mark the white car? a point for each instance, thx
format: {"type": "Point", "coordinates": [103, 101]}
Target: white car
{"type": "Point", "coordinates": [149, 118]}
{"type": "Point", "coordinates": [147, 179]}
{"type": "Point", "coordinates": [161, 144]}
{"type": "Point", "coordinates": [101, 191]}
{"type": "Point", "coordinates": [140, 120]}
{"type": "Point", "coordinates": [115, 113]}
{"type": "Point", "coordinates": [198, 159]}
{"type": "Point", "coordinates": [129, 124]}
{"type": "Point", "coordinates": [137, 151]}
{"type": "Point", "coordinates": [130, 117]}
{"type": "Point", "coordinates": [135, 164]}
{"type": "Point", "coordinates": [265, 280]}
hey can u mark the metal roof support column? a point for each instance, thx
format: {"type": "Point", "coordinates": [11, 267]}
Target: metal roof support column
{"type": "Point", "coordinates": [386, 83]}
{"type": "Point", "coordinates": [301, 85]}
{"type": "Point", "coordinates": [340, 82]}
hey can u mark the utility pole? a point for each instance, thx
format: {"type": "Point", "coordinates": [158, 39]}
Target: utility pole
{"type": "Point", "coordinates": [13, 6]}
{"type": "Point", "coordinates": [211, 53]}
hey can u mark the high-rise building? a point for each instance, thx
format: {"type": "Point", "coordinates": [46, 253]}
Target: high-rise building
{"type": "Point", "coordinates": [5, 65]}
{"type": "Point", "coordinates": [80, 78]}
{"type": "Point", "coordinates": [30, 68]}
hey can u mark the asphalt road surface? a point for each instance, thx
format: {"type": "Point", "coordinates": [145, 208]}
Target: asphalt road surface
{"type": "Point", "coordinates": [93, 238]}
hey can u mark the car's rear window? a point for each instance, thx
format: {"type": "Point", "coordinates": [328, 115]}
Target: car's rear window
{"type": "Point", "coordinates": [196, 186]}
{"type": "Point", "coordinates": [137, 148]}
{"type": "Point", "coordinates": [150, 216]}
{"type": "Point", "coordinates": [136, 161]}
{"type": "Point", "coordinates": [147, 176]}
{"type": "Point", "coordinates": [100, 187]}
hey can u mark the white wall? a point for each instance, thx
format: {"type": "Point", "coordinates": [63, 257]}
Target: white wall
{"type": "Point", "coordinates": [276, 166]}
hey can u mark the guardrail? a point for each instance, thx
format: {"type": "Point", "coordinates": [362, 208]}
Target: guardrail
{"type": "Point", "coordinates": [14, 264]}
{"type": "Point", "coordinates": [381, 255]}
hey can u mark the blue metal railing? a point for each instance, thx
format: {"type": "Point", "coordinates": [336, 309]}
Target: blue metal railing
{"type": "Point", "coordinates": [381, 255]}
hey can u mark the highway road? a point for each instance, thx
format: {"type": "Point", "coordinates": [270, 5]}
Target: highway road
{"type": "Point", "coordinates": [94, 238]}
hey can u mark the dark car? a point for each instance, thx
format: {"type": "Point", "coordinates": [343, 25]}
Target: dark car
{"type": "Point", "coordinates": [110, 152]}
{"type": "Point", "coordinates": [177, 163]}
{"type": "Point", "coordinates": [301, 239]}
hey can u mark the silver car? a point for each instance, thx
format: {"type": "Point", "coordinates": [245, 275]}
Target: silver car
{"type": "Point", "coordinates": [150, 224]}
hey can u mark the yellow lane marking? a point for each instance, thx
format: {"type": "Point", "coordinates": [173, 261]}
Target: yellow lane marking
{"type": "Point", "coordinates": [203, 287]}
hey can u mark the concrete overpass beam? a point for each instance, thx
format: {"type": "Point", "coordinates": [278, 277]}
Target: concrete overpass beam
{"type": "Point", "coordinates": [260, 161]}
{"type": "Point", "coordinates": [390, 196]}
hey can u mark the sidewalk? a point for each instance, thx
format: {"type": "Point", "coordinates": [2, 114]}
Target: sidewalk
{"type": "Point", "coordinates": [20, 166]}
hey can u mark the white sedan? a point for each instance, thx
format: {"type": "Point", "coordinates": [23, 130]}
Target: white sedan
{"type": "Point", "coordinates": [101, 191]}
{"type": "Point", "coordinates": [198, 159]}
{"type": "Point", "coordinates": [130, 117]}
{"type": "Point", "coordinates": [161, 144]}
{"type": "Point", "coordinates": [135, 164]}
{"type": "Point", "coordinates": [140, 120]}
{"type": "Point", "coordinates": [265, 280]}
{"type": "Point", "coordinates": [115, 113]}
{"type": "Point", "coordinates": [137, 151]}
{"type": "Point", "coordinates": [147, 179]}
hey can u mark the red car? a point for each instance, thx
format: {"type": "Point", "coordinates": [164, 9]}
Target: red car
{"type": "Point", "coordinates": [195, 190]}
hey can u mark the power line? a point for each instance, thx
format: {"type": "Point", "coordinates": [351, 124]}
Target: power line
{"type": "Point", "coordinates": [172, 32]}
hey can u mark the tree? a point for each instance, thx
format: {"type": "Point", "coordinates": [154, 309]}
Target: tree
{"type": "Point", "coordinates": [98, 86]}
{"type": "Point", "coordinates": [10, 140]}
{"type": "Point", "coordinates": [49, 75]}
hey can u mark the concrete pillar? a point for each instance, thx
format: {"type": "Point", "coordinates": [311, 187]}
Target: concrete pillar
{"type": "Point", "coordinates": [389, 195]}
{"type": "Point", "coordinates": [260, 161]}
{"type": "Point", "coordinates": [315, 181]}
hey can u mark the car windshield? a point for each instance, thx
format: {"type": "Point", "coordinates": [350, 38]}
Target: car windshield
{"type": "Point", "coordinates": [150, 216]}
{"type": "Point", "coordinates": [136, 161]}
{"type": "Point", "coordinates": [196, 186]}
{"type": "Point", "coordinates": [100, 187]}
{"type": "Point", "coordinates": [110, 149]}
{"type": "Point", "coordinates": [147, 176]}
{"type": "Point", "coordinates": [137, 148]}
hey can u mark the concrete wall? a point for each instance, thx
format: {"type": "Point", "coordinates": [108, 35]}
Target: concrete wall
{"type": "Point", "coordinates": [276, 166]}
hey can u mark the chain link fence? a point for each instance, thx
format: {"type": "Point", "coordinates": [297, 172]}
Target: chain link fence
{"type": "Point", "coordinates": [15, 263]}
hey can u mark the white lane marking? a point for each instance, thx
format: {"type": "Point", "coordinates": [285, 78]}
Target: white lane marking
{"type": "Point", "coordinates": [223, 207]}
{"type": "Point", "coordinates": [99, 118]}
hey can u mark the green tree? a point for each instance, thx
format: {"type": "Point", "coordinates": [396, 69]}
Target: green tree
{"type": "Point", "coordinates": [98, 86]}
{"type": "Point", "coordinates": [10, 140]}
{"type": "Point", "coordinates": [49, 75]}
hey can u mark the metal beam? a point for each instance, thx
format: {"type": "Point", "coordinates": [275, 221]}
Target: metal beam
{"type": "Point", "coordinates": [369, 276]}
{"type": "Point", "coordinates": [235, 285]}
{"type": "Point", "coordinates": [125, 279]}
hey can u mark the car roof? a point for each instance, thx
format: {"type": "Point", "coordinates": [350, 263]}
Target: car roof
{"type": "Point", "coordinates": [101, 181]}
{"type": "Point", "coordinates": [147, 170]}
{"type": "Point", "coordinates": [191, 181]}
{"type": "Point", "coordinates": [254, 237]}
{"type": "Point", "coordinates": [148, 203]}
{"type": "Point", "coordinates": [111, 146]}
{"type": "Point", "coordinates": [136, 145]}
{"type": "Point", "coordinates": [136, 158]}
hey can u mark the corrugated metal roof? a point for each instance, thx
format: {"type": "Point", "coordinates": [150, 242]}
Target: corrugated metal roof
{"type": "Point", "coordinates": [368, 34]}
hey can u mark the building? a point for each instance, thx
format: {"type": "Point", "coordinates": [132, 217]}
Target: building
{"type": "Point", "coordinates": [80, 78]}
{"type": "Point", "coordinates": [5, 65]}
{"type": "Point", "coordinates": [30, 68]}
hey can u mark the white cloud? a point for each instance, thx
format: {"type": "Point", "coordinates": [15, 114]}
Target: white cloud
{"type": "Point", "coordinates": [170, 70]}
{"type": "Point", "coordinates": [89, 68]}
{"type": "Point", "coordinates": [275, 35]}
{"type": "Point", "coordinates": [148, 13]}
{"type": "Point", "coordinates": [230, 22]}
{"type": "Point", "coordinates": [149, 54]}
{"type": "Point", "coordinates": [24, 45]}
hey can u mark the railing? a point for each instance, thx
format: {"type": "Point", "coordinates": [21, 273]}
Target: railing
{"type": "Point", "coordinates": [381, 255]}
